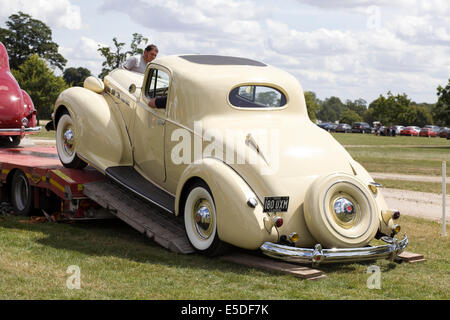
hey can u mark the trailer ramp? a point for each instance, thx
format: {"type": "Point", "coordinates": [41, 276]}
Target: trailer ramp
{"type": "Point", "coordinates": [164, 228]}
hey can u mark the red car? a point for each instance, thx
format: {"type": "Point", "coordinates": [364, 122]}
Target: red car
{"type": "Point", "coordinates": [428, 132]}
{"type": "Point", "coordinates": [410, 131]}
{"type": "Point", "coordinates": [17, 112]}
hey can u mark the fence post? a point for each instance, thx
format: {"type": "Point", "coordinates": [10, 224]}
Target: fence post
{"type": "Point", "coordinates": [444, 195]}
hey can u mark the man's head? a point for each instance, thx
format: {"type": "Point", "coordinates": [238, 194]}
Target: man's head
{"type": "Point", "coordinates": [150, 53]}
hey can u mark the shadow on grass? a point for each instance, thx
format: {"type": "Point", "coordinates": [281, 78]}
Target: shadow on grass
{"type": "Point", "coordinates": [114, 238]}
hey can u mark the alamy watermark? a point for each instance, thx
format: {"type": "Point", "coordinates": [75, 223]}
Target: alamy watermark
{"type": "Point", "coordinates": [374, 280]}
{"type": "Point", "coordinates": [374, 18]}
{"type": "Point", "coordinates": [232, 146]}
{"type": "Point", "coordinates": [74, 280]}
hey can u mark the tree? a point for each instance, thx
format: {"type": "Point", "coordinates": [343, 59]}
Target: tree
{"type": "Point", "coordinates": [420, 116]}
{"type": "Point", "coordinates": [116, 57]}
{"type": "Point", "coordinates": [312, 105]}
{"type": "Point", "coordinates": [136, 43]}
{"type": "Point", "coordinates": [26, 36]}
{"type": "Point", "coordinates": [441, 112]}
{"type": "Point", "coordinates": [391, 110]}
{"type": "Point", "coordinates": [35, 77]}
{"type": "Point", "coordinates": [76, 76]}
{"type": "Point", "coordinates": [359, 106]}
{"type": "Point", "coordinates": [331, 109]}
{"type": "Point", "coordinates": [350, 116]}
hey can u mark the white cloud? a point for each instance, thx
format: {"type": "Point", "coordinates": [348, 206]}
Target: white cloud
{"type": "Point", "coordinates": [56, 13]}
{"type": "Point", "coordinates": [84, 54]}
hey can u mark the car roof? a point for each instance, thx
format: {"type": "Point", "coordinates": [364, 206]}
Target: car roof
{"type": "Point", "coordinates": [221, 60]}
{"type": "Point", "coordinates": [225, 70]}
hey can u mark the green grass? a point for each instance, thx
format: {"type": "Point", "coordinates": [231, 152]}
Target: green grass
{"type": "Point", "coordinates": [371, 139]}
{"type": "Point", "coordinates": [433, 187]}
{"type": "Point", "coordinates": [405, 155]}
{"type": "Point", "coordinates": [43, 134]}
{"type": "Point", "coordinates": [118, 263]}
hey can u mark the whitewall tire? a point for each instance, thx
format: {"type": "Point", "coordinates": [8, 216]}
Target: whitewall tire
{"type": "Point", "coordinates": [66, 143]}
{"type": "Point", "coordinates": [200, 219]}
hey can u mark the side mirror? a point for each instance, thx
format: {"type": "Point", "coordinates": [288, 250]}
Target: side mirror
{"type": "Point", "coordinates": [94, 84]}
{"type": "Point", "coordinates": [132, 88]}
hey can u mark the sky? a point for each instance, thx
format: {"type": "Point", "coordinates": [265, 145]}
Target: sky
{"type": "Point", "coordinates": [346, 48]}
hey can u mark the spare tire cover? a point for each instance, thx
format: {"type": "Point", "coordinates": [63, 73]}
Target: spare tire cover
{"type": "Point", "coordinates": [341, 212]}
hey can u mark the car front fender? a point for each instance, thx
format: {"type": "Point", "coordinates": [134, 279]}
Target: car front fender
{"type": "Point", "coordinates": [100, 132]}
{"type": "Point", "coordinates": [237, 223]}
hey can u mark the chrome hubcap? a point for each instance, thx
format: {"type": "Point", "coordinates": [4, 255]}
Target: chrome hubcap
{"type": "Point", "coordinates": [69, 141]}
{"type": "Point", "coordinates": [203, 219]}
{"type": "Point", "coordinates": [344, 210]}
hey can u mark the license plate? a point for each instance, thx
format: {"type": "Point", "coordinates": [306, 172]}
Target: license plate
{"type": "Point", "coordinates": [276, 204]}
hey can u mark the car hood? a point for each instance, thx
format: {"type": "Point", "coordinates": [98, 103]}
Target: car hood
{"type": "Point", "coordinates": [276, 155]}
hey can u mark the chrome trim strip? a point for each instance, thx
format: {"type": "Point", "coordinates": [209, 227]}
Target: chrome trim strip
{"type": "Point", "coordinates": [19, 130]}
{"type": "Point", "coordinates": [318, 255]}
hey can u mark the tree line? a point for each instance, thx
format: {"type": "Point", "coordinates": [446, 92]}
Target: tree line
{"type": "Point", "coordinates": [389, 109]}
{"type": "Point", "coordinates": [34, 58]}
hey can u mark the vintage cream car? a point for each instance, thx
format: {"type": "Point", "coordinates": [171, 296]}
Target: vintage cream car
{"type": "Point", "coordinates": [233, 152]}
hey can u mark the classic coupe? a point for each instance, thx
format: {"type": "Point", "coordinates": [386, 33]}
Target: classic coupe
{"type": "Point", "coordinates": [232, 151]}
{"type": "Point", "coordinates": [17, 112]}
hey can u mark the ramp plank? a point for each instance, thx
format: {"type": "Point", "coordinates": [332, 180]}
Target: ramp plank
{"type": "Point", "coordinates": [274, 265]}
{"type": "Point", "coordinates": [163, 227]}
{"type": "Point", "coordinates": [411, 257]}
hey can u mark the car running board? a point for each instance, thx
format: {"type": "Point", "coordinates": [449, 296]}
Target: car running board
{"type": "Point", "coordinates": [128, 177]}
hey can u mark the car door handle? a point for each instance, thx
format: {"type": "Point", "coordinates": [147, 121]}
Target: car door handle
{"type": "Point", "coordinates": [161, 122]}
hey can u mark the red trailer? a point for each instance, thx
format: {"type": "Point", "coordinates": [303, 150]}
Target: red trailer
{"type": "Point", "coordinates": [32, 178]}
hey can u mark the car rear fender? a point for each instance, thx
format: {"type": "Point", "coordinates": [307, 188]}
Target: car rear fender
{"type": "Point", "coordinates": [100, 132]}
{"type": "Point", "coordinates": [238, 223]}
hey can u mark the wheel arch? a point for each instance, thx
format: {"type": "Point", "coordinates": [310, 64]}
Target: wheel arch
{"type": "Point", "coordinates": [238, 223]}
{"type": "Point", "coordinates": [100, 130]}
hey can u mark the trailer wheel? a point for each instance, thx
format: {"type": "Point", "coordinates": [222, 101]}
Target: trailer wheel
{"type": "Point", "coordinates": [15, 141]}
{"type": "Point", "coordinates": [66, 143]}
{"type": "Point", "coordinates": [200, 220]}
{"type": "Point", "coordinates": [22, 195]}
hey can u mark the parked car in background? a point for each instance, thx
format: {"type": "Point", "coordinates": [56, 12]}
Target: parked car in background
{"type": "Point", "coordinates": [428, 132]}
{"type": "Point", "coordinates": [344, 127]}
{"type": "Point", "coordinates": [17, 112]}
{"type": "Point", "coordinates": [435, 128]}
{"type": "Point", "coordinates": [410, 131]}
{"type": "Point", "coordinates": [397, 129]}
{"type": "Point", "coordinates": [361, 127]}
{"type": "Point", "coordinates": [444, 132]}
{"type": "Point", "coordinates": [328, 126]}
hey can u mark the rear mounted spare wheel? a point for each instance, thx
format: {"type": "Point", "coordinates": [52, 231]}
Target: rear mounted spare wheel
{"type": "Point", "coordinates": [341, 212]}
{"type": "Point", "coordinates": [66, 143]}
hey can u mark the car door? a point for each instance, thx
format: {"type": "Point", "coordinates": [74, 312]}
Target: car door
{"type": "Point", "coordinates": [149, 128]}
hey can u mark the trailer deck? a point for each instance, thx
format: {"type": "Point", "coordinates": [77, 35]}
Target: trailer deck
{"type": "Point", "coordinates": [45, 173]}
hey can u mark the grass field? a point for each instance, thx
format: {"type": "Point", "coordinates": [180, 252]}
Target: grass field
{"type": "Point", "coordinates": [118, 263]}
{"type": "Point", "coordinates": [405, 155]}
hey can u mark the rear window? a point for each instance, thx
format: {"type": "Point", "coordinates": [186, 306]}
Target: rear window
{"type": "Point", "coordinates": [257, 97]}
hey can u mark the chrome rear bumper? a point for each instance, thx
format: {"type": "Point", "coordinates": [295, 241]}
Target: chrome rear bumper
{"type": "Point", "coordinates": [19, 131]}
{"type": "Point", "coordinates": [318, 255]}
